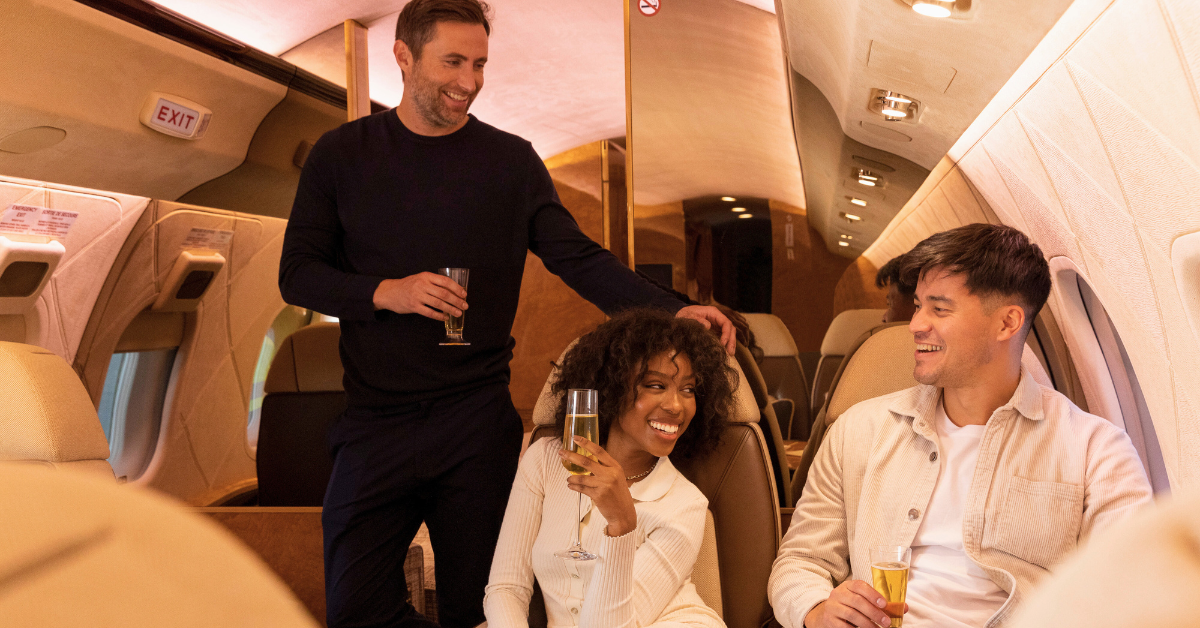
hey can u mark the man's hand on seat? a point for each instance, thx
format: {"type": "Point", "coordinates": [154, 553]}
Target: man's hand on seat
{"type": "Point", "coordinates": [708, 316]}
{"type": "Point", "coordinates": [853, 603]}
{"type": "Point", "coordinates": [428, 294]}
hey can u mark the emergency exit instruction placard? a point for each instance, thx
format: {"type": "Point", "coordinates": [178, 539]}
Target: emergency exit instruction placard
{"type": "Point", "coordinates": [208, 239]}
{"type": "Point", "coordinates": [40, 221]}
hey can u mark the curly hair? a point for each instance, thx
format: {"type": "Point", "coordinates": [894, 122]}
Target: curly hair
{"type": "Point", "coordinates": [615, 356]}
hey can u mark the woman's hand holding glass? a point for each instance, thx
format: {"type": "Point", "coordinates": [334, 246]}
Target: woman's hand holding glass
{"type": "Point", "coordinates": [606, 486]}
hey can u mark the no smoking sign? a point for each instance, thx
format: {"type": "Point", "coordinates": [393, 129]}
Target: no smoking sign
{"type": "Point", "coordinates": [648, 7]}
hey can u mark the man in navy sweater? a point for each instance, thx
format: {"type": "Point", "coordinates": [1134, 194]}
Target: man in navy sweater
{"type": "Point", "coordinates": [430, 433]}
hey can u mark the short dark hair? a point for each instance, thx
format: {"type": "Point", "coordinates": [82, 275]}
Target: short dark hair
{"type": "Point", "coordinates": [889, 275]}
{"type": "Point", "coordinates": [615, 356]}
{"type": "Point", "coordinates": [997, 260]}
{"type": "Point", "coordinates": [419, 18]}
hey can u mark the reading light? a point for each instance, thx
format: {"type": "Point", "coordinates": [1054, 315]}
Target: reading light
{"type": "Point", "coordinates": [858, 201]}
{"type": "Point", "coordinates": [933, 8]}
{"type": "Point", "coordinates": [738, 209]}
{"type": "Point", "coordinates": [843, 243]}
{"type": "Point", "coordinates": [867, 182]}
{"type": "Point", "coordinates": [866, 177]}
{"type": "Point", "coordinates": [892, 106]}
{"type": "Point", "coordinates": [851, 217]}
{"type": "Point", "coordinates": [847, 237]}
{"type": "Point", "coordinates": [746, 216]}
{"type": "Point", "coordinates": [728, 199]}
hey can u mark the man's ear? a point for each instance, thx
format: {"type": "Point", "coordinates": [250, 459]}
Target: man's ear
{"type": "Point", "coordinates": [1012, 320]}
{"type": "Point", "coordinates": [404, 57]}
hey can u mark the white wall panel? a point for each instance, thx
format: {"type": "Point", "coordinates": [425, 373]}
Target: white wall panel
{"type": "Point", "coordinates": [1096, 159]}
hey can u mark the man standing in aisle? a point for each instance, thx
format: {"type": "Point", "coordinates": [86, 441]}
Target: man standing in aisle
{"type": "Point", "coordinates": [430, 433]}
{"type": "Point", "coordinates": [988, 476]}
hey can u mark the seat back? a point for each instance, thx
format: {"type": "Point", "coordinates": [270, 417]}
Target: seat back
{"type": "Point", "coordinates": [738, 481]}
{"type": "Point", "coordinates": [47, 417]}
{"type": "Point", "coordinates": [85, 551]}
{"type": "Point", "coordinates": [782, 372]}
{"type": "Point", "coordinates": [839, 338]}
{"type": "Point", "coordinates": [769, 424]}
{"type": "Point", "coordinates": [303, 396]}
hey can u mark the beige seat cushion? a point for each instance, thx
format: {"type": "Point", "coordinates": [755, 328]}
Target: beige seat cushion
{"type": "Point", "coordinates": [847, 327]}
{"type": "Point", "coordinates": [706, 575]}
{"type": "Point", "coordinates": [772, 335]}
{"type": "Point", "coordinates": [82, 551]}
{"type": "Point", "coordinates": [47, 417]}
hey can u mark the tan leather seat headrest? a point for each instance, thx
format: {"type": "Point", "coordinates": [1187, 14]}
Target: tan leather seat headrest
{"type": "Point", "coordinates": [307, 361]}
{"type": "Point", "coordinates": [109, 554]}
{"type": "Point", "coordinates": [745, 410]}
{"type": "Point", "coordinates": [846, 329]}
{"type": "Point", "coordinates": [47, 415]}
{"type": "Point", "coordinates": [882, 365]}
{"type": "Point", "coordinates": [772, 335]}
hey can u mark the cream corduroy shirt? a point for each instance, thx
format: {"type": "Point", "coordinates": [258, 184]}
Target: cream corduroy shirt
{"type": "Point", "coordinates": [641, 578]}
{"type": "Point", "coordinates": [1048, 476]}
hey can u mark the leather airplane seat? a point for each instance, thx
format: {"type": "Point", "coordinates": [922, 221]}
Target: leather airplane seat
{"type": "Point", "coordinates": [47, 417]}
{"type": "Point", "coordinates": [880, 362]}
{"type": "Point", "coordinates": [303, 396]}
{"type": "Point", "coordinates": [783, 373]}
{"type": "Point", "coordinates": [739, 546]}
{"type": "Point", "coordinates": [768, 423]}
{"type": "Point", "coordinates": [839, 338]}
{"type": "Point", "coordinates": [82, 550]}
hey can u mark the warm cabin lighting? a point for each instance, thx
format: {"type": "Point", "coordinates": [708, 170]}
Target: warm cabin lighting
{"type": "Point", "coordinates": [746, 216]}
{"type": "Point", "coordinates": [866, 177]}
{"type": "Point", "coordinates": [898, 99]}
{"type": "Point", "coordinates": [843, 243]}
{"type": "Point", "coordinates": [933, 8]}
{"type": "Point", "coordinates": [851, 217]}
{"type": "Point", "coordinates": [728, 199]}
{"type": "Point", "coordinates": [895, 113]}
{"type": "Point", "coordinates": [867, 182]}
{"type": "Point", "coordinates": [893, 107]}
{"type": "Point", "coordinates": [738, 210]}
{"type": "Point", "coordinates": [858, 201]}
{"type": "Point", "coordinates": [847, 237]}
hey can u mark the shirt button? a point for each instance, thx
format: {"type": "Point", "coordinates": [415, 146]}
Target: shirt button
{"type": "Point", "coordinates": [914, 514]}
{"type": "Point", "coordinates": [933, 457]}
{"type": "Point", "coordinates": [575, 576]}
{"type": "Point", "coordinates": [574, 611]}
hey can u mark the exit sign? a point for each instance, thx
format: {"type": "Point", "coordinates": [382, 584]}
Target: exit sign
{"type": "Point", "coordinates": [175, 116]}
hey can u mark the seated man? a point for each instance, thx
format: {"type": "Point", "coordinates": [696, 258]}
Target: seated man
{"type": "Point", "coordinates": [988, 476]}
{"type": "Point", "coordinates": [899, 295]}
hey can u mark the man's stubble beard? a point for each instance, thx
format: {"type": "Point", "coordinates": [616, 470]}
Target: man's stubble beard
{"type": "Point", "coordinates": [960, 375]}
{"type": "Point", "coordinates": [428, 99]}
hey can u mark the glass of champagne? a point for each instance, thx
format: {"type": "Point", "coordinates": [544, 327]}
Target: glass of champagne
{"type": "Point", "coordinates": [889, 576]}
{"type": "Point", "coordinates": [454, 324]}
{"type": "Point", "coordinates": [582, 420]}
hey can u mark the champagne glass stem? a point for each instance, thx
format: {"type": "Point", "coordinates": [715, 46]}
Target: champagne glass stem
{"type": "Point", "coordinates": [579, 522]}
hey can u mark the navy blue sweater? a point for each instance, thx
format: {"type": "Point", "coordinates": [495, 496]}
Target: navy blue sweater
{"type": "Point", "coordinates": [377, 201]}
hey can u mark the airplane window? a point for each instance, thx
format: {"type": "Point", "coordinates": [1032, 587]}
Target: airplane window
{"type": "Point", "coordinates": [131, 407]}
{"type": "Point", "coordinates": [1129, 393]}
{"type": "Point", "coordinates": [288, 321]}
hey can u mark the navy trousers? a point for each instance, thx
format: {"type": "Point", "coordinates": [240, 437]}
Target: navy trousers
{"type": "Point", "coordinates": [449, 462]}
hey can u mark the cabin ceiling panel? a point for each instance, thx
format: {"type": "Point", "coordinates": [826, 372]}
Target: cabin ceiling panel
{"type": "Point", "coordinates": [69, 66]}
{"type": "Point", "coordinates": [555, 73]}
{"type": "Point", "coordinates": [953, 67]}
{"type": "Point", "coordinates": [1093, 153]}
{"type": "Point", "coordinates": [711, 113]}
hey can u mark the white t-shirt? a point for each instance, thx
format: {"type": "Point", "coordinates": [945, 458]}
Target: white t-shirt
{"type": "Point", "coordinates": [946, 589]}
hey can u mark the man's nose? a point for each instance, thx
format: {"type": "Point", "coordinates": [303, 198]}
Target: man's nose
{"type": "Point", "coordinates": [467, 81]}
{"type": "Point", "coordinates": [919, 323]}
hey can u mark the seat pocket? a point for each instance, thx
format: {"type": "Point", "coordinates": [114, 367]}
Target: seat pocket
{"type": "Point", "coordinates": [1039, 522]}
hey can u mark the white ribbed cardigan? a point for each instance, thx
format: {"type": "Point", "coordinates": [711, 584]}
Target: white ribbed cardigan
{"type": "Point", "coordinates": [641, 579]}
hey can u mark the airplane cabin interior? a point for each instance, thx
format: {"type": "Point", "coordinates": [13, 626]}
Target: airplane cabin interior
{"type": "Point", "coordinates": [767, 155]}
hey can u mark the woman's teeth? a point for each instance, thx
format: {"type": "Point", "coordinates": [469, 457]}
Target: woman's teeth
{"type": "Point", "coordinates": [928, 348]}
{"type": "Point", "coordinates": [665, 428]}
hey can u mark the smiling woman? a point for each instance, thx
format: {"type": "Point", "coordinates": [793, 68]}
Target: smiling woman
{"type": "Point", "coordinates": [664, 388]}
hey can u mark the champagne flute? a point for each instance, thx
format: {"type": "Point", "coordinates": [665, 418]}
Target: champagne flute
{"type": "Point", "coordinates": [454, 324]}
{"type": "Point", "coordinates": [582, 420]}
